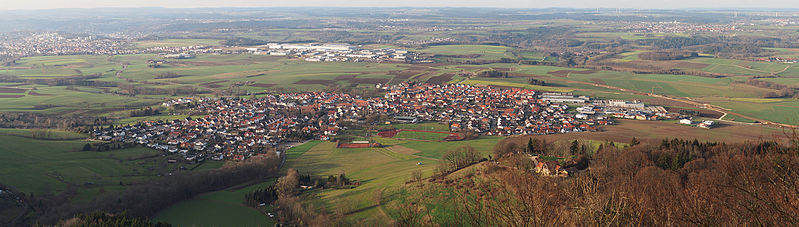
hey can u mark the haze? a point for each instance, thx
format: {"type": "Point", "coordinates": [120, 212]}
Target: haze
{"type": "Point", "coordinates": [665, 4]}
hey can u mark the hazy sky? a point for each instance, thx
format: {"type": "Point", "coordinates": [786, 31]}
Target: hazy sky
{"type": "Point", "coordinates": [50, 4]}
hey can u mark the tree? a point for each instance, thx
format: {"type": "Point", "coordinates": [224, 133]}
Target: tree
{"type": "Point", "coordinates": [530, 146]}
{"type": "Point", "coordinates": [574, 148]}
{"type": "Point", "coordinates": [416, 175]}
{"type": "Point", "coordinates": [458, 158]}
{"type": "Point", "coordinates": [287, 185]}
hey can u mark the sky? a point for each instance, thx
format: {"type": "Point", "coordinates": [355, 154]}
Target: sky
{"type": "Point", "coordinates": [660, 4]}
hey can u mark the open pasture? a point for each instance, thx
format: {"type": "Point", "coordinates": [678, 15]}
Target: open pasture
{"type": "Point", "coordinates": [376, 169]}
{"type": "Point", "coordinates": [49, 165]}
{"type": "Point", "coordinates": [482, 52]}
{"type": "Point", "coordinates": [219, 208]}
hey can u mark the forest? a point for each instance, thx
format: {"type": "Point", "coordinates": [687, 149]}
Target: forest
{"type": "Point", "coordinates": [676, 182]}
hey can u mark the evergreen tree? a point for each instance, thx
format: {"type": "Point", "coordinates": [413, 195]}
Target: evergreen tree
{"type": "Point", "coordinates": [574, 148]}
{"type": "Point", "coordinates": [530, 146]}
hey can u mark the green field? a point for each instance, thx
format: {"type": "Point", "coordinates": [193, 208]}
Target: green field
{"type": "Point", "coordinates": [49, 166]}
{"type": "Point", "coordinates": [375, 168]}
{"type": "Point", "coordinates": [219, 208]}
{"type": "Point", "coordinates": [421, 135]}
{"type": "Point", "coordinates": [47, 134]}
{"type": "Point", "coordinates": [485, 52]}
{"type": "Point", "coordinates": [519, 85]}
{"type": "Point", "coordinates": [297, 151]}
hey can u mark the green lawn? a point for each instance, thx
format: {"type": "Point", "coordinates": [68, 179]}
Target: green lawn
{"type": "Point", "coordinates": [297, 151]}
{"type": "Point", "coordinates": [485, 51]}
{"type": "Point", "coordinates": [421, 135]}
{"type": "Point", "coordinates": [375, 168]}
{"type": "Point", "coordinates": [219, 208]}
{"type": "Point", "coordinates": [43, 133]}
{"type": "Point", "coordinates": [484, 144]}
{"type": "Point", "coordinates": [48, 166]}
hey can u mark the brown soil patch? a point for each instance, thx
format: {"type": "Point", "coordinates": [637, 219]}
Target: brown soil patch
{"type": "Point", "coordinates": [11, 90]}
{"type": "Point", "coordinates": [441, 79]}
{"type": "Point", "coordinates": [322, 82]}
{"type": "Point", "coordinates": [11, 96]}
{"type": "Point", "coordinates": [423, 75]}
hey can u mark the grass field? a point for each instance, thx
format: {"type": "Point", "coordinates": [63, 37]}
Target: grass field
{"type": "Point", "coordinates": [48, 134]}
{"type": "Point", "coordinates": [220, 208]}
{"type": "Point", "coordinates": [375, 168]}
{"type": "Point", "coordinates": [519, 85]}
{"type": "Point", "coordinates": [48, 166]}
{"type": "Point", "coordinates": [297, 151]}
{"type": "Point", "coordinates": [485, 52]}
{"type": "Point", "coordinates": [421, 135]}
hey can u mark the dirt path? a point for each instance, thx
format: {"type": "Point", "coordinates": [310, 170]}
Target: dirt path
{"type": "Point", "coordinates": [782, 71]}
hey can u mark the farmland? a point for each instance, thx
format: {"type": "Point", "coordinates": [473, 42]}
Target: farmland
{"type": "Point", "coordinates": [241, 74]}
{"type": "Point", "coordinates": [56, 162]}
{"type": "Point", "coordinates": [377, 169]}
{"type": "Point", "coordinates": [218, 208]}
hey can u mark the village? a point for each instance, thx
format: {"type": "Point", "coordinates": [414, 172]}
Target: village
{"type": "Point", "coordinates": [238, 128]}
{"type": "Point", "coordinates": [318, 52]}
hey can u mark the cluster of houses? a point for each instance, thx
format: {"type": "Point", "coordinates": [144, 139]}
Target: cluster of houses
{"type": "Point", "coordinates": [780, 60]}
{"type": "Point", "coordinates": [23, 44]}
{"type": "Point", "coordinates": [485, 110]}
{"type": "Point", "coordinates": [238, 128]}
{"type": "Point", "coordinates": [679, 27]}
{"type": "Point", "coordinates": [318, 52]}
{"type": "Point", "coordinates": [707, 124]}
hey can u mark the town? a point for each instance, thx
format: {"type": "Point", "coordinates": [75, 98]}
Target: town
{"type": "Point", "coordinates": [316, 52]}
{"type": "Point", "coordinates": [238, 128]}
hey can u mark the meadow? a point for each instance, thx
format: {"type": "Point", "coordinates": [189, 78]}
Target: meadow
{"type": "Point", "coordinates": [375, 168]}
{"type": "Point", "coordinates": [485, 52]}
{"type": "Point", "coordinates": [50, 165]}
{"type": "Point", "coordinates": [219, 208]}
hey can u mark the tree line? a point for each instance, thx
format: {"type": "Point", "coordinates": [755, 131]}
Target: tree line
{"type": "Point", "coordinates": [677, 182]}
{"type": "Point", "coordinates": [148, 198]}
